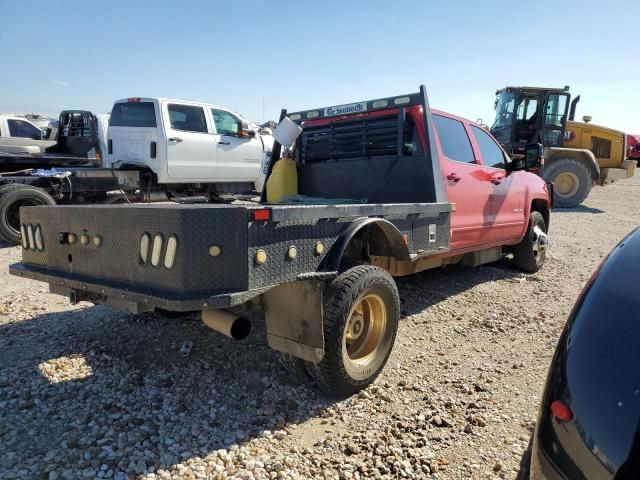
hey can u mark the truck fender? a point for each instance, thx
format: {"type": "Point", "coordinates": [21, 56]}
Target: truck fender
{"type": "Point", "coordinates": [584, 156]}
{"type": "Point", "coordinates": [388, 241]}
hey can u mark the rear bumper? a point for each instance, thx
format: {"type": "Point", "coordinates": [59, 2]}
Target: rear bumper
{"type": "Point", "coordinates": [124, 297]}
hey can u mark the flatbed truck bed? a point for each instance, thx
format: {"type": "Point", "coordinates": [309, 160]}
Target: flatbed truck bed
{"type": "Point", "coordinates": [14, 162]}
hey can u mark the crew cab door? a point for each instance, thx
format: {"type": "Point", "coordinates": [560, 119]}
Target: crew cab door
{"type": "Point", "coordinates": [506, 219]}
{"type": "Point", "coordinates": [239, 158]}
{"type": "Point", "coordinates": [190, 143]}
{"type": "Point", "coordinates": [467, 184]}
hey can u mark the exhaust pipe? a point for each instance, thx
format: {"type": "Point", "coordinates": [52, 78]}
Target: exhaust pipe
{"type": "Point", "coordinates": [154, 196]}
{"type": "Point", "coordinates": [226, 323]}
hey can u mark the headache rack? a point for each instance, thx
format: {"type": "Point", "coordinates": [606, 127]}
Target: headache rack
{"type": "Point", "coordinates": [368, 150]}
{"type": "Point", "coordinates": [77, 134]}
{"type": "Point", "coordinates": [351, 138]}
{"type": "Point", "coordinates": [77, 123]}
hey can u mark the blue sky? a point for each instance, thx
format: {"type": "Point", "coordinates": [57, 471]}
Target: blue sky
{"type": "Point", "coordinates": [86, 54]}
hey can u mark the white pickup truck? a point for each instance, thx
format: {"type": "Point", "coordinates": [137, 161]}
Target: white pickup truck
{"type": "Point", "coordinates": [19, 135]}
{"type": "Point", "coordinates": [11, 126]}
{"type": "Point", "coordinates": [184, 142]}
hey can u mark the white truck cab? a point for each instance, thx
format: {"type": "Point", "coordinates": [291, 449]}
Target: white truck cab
{"type": "Point", "coordinates": [18, 127]}
{"type": "Point", "coordinates": [19, 135]}
{"type": "Point", "coordinates": [187, 142]}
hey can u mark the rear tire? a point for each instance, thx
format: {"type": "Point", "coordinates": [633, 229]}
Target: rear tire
{"type": "Point", "coordinates": [571, 182]}
{"type": "Point", "coordinates": [362, 312]}
{"type": "Point", "coordinates": [12, 197]}
{"type": "Point", "coordinates": [530, 253]}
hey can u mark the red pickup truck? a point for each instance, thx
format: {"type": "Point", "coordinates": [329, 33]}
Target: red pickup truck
{"type": "Point", "coordinates": [385, 188]}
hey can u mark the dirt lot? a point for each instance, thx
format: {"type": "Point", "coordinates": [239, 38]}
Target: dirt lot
{"type": "Point", "coordinates": [86, 392]}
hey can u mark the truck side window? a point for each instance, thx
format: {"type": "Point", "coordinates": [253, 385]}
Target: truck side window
{"type": "Point", "coordinates": [18, 128]}
{"type": "Point", "coordinates": [453, 139]}
{"type": "Point", "coordinates": [187, 117]}
{"type": "Point", "coordinates": [226, 123]}
{"type": "Point", "coordinates": [492, 155]}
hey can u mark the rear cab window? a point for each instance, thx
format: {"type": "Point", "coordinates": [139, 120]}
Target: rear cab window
{"type": "Point", "coordinates": [454, 140]}
{"type": "Point", "coordinates": [133, 114]}
{"type": "Point", "coordinates": [492, 154]}
{"type": "Point", "coordinates": [188, 118]}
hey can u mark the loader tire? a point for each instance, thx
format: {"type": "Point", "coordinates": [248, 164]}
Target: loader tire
{"type": "Point", "coordinates": [530, 253]}
{"type": "Point", "coordinates": [361, 316]}
{"type": "Point", "coordinates": [12, 197]}
{"type": "Point", "coordinates": [571, 182]}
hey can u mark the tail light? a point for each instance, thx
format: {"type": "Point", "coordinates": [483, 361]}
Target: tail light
{"type": "Point", "coordinates": [561, 412]}
{"type": "Point", "coordinates": [262, 215]}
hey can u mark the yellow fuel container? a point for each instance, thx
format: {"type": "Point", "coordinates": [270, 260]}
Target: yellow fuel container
{"type": "Point", "coordinates": [283, 180]}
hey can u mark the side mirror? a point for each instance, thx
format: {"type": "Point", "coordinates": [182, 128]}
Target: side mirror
{"type": "Point", "coordinates": [244, 131]}
{"type": "Point", "coordinates": [515, 165]}
{"type": "Point", "coordinates": [533, 157]}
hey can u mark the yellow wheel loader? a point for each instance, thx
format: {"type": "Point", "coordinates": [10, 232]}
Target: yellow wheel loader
{"type": "Point", "coordinates": [577, 155]}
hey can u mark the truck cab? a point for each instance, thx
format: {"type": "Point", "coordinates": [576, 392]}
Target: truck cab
{"type": "Point", "coordinates": [18, 127]}
{"type": "Point", "coordinates": [378, 154]}
{"type": "Point", "coordinates": [187, 142]}
{"type": "Point", "coordinates": [493, 202]}
{"type": "Point", "coordinates": [19, 135]}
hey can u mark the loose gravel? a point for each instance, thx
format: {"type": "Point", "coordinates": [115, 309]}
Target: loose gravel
{"type": "Point", "coordinates": [88, 392]}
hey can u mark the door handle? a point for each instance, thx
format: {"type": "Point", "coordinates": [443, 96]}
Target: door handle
{"type": "Point", "coordinates": [174, 139]}
{"type": "Point", "coordinates": [224, 143]}
{"type": "Point", "coordinates": [454, 177]}
{"type": "Point", "coordinates": [497, 180]}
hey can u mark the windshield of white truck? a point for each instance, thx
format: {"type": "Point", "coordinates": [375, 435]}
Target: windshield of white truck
{"type": "Point", "coordinates": [133, 114]}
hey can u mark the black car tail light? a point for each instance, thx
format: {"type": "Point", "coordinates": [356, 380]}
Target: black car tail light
{"type": "Point", "coordinates": [561, 411]}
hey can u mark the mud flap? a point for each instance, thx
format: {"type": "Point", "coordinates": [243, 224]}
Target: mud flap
{"type": "Point", "coordinates": [294, 315]}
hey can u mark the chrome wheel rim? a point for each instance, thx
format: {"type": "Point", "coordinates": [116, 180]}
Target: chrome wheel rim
{"type": "Point", "coordinates": [540, 242]}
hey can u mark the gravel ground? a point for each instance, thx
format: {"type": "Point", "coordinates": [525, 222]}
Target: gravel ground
{"type": "Point", "coordinates": [87, 392]}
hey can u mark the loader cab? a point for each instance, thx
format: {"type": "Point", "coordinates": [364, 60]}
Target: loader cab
{"type": "Point", "coordinates": [527, 115]}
